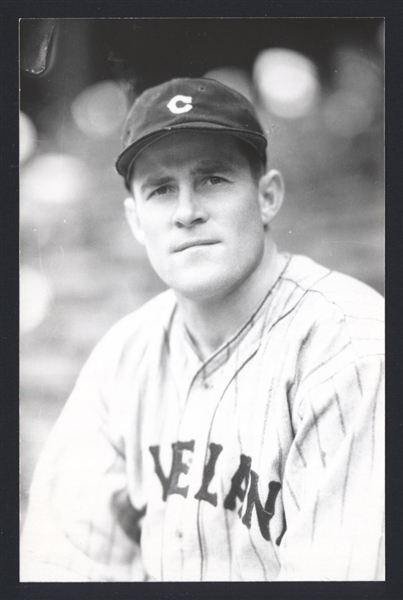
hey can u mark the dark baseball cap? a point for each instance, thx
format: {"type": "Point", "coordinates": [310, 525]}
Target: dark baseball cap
{"type": "Point", "coordinates": [192, 105]}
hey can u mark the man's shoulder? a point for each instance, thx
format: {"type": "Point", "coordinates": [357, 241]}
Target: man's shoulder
{"type": "Point", "coordinates": [331, 287]}
{"type": "Point", "coordinates": [138, 327]}
{"type": "Point", "coordinates": [156, 311]}
{"type": "Point", "coordinates": [332, 313]}
{"type": "Point", "coordinates": [335, 306]}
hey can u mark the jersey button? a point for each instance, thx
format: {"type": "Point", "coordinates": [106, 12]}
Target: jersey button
{"type": "Point", "coordinates": [179, 534]}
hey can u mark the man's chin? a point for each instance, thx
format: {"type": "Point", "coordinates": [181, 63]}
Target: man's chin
{"type": "Point", "coordinates": [200, 287]}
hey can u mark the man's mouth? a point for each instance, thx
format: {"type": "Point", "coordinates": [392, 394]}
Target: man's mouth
{"type": "Point", "coordinates": [193, 243]}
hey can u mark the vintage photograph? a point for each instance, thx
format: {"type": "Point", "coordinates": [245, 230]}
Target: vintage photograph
{"type": "Point", "coordinates": [202, 299]}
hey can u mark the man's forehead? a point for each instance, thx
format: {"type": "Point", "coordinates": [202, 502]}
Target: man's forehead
{"type": "Point", "coordinates": [196, 150]}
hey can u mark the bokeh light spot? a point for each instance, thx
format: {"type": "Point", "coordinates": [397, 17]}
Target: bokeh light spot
{"type": "Point", "coordinates": [287, 82]}
{"type": "Point", "coordinates": [27, 137]}
{"type": "Point", "coordinates": [100, 110]}
{"type": "Point", "coordinates": [54, 178]}
{"type": "Point", "coordinates": [34, 299]}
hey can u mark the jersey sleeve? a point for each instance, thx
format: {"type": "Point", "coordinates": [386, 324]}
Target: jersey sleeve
{"type": "Point", "coordinates": [81, 525]}
{"type": "Point", "coordinates": [334, 478]}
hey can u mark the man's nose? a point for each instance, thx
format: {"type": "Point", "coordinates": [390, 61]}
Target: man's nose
{"type": "Point", "coordinates": [189, 209]}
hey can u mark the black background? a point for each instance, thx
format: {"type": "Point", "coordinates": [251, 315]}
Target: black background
{"type": "Point", "coordinates": [11, 12]}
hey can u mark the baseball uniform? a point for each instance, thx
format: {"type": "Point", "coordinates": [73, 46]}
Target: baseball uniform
{"type": "Point", "coordinates": [263, 462]}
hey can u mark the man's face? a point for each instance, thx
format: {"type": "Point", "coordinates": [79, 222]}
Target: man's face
{"type": "Point", "coordinates": [197, 211]}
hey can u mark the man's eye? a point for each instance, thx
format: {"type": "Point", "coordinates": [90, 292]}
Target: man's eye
{"type": "Point", "coordinates": [161, 191]}
{"type": "Point", "coordinates": [214, 179]}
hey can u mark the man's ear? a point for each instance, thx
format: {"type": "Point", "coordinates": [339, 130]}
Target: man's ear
{"type": "Point", "coordinates": [133, 219]}
{"type": "Point", "coordinates": [271, 195]}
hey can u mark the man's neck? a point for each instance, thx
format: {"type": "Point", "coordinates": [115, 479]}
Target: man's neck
{"type": "Point", "coordinates": [210, 323]}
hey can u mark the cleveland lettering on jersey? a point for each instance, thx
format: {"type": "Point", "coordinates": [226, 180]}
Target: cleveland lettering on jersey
{"type": "Point", "coordinates": [170, 483]}
{"type": "Point", "coordinates": [239, 484]}
{"type": "Point", "coordinates": [241, 477]}
{"type": "Point", "coordinates": [263, 514]}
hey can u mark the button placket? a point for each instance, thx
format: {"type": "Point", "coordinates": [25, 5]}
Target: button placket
{"type": "Point", "coordinates": [181, 513]}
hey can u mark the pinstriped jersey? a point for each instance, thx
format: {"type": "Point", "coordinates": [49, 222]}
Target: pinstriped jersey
{"type": "Point", "coordinates": [263, 462]}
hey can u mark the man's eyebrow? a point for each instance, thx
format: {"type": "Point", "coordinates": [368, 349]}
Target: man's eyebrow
{"type": "Point", "coordinates": [155, 180]}
{"type": "Point", "coordinates": [204, 167]}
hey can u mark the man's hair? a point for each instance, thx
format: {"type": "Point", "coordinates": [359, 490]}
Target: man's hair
{"type": "Point", "coordinates": [256, 165]}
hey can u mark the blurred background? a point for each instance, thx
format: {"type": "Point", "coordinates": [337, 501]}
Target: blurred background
{"type": "Point", "coordinates": [318, 87]}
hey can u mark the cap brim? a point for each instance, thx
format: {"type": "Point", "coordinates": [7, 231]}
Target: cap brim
{"type": "Point", "coordinates": [127, 157]}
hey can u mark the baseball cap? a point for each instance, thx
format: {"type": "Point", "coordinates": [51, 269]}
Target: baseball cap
{"type": "Point", "coordinates": [191, 104]}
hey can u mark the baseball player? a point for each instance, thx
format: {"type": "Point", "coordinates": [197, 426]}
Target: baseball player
{"type": "Point", "coordinates": [231, 428]}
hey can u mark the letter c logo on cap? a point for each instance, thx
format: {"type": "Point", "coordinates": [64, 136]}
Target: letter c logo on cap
{"type": "Point", "coordinates": [173, 104]}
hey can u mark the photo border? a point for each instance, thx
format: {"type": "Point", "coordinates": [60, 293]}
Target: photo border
{"type": "Point", "coordinates": [11, 12]}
